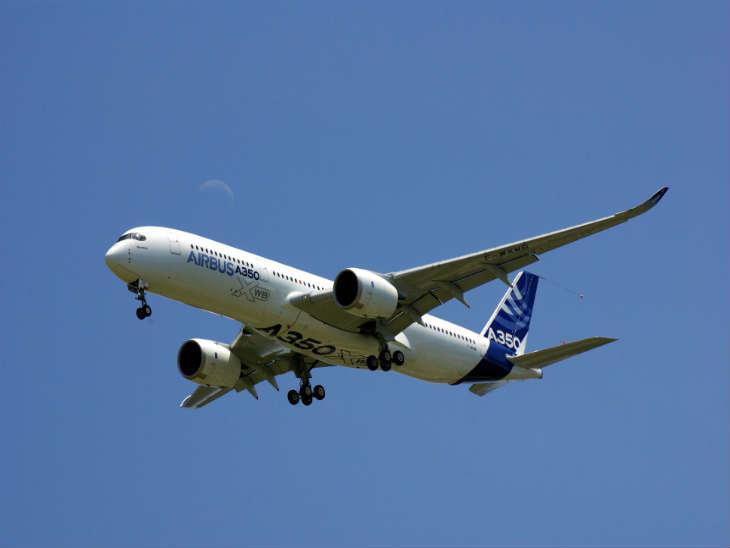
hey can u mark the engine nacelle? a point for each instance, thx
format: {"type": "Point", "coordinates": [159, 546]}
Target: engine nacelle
{"type": "Point", "coordinates": [365, 294]}
{"type": "Point", "coordinates": [208, 363]}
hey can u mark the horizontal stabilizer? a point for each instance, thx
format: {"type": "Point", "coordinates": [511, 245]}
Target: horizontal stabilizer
{"type": "Point", "coordinates": [484, 388]}
{"type": "Point", "coordinates": [549, 356]}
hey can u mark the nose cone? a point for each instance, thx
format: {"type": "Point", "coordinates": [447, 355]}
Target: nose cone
{"type": "Point", "coordinates": [118, 260]}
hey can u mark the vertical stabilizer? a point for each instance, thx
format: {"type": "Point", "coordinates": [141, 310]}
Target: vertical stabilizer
{"type": "Point", "coordinates": [510, 321]}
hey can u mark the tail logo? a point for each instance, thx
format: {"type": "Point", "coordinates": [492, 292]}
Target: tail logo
{"type": "Point", "coordinates": [505, 339]}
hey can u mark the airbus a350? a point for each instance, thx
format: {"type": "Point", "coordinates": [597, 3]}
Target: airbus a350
{"type": "Point", "coordinates": [295, 321]}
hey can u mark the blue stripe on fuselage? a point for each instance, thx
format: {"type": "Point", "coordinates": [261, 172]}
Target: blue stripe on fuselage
{"type": "Point", "coordinates": [492, 367]}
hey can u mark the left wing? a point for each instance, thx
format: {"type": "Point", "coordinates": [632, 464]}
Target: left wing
{"type": "Point", "coordinates": [424, 288]}
{"type": "Point", "coordinates": [261, 360]}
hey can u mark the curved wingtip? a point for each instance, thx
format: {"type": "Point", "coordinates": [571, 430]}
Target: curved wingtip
{"type": "Point", "coordinates": [658, 195]}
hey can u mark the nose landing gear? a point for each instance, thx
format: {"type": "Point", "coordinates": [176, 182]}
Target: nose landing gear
{"type": "Point", "coordinates": [137, 287]}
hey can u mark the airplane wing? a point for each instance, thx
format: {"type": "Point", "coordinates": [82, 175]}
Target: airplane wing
{"type": "Point", "coordinates": [262, 360]}
{"type": "Point", "coordinates": [424, 288]}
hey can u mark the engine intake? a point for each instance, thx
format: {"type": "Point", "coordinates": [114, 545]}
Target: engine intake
{"type": "Point", "coordinates": [365, 294]}
{"type": "Point", "coordinates": [208, 363]}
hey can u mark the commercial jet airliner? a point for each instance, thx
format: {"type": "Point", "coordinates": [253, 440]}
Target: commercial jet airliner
{"type": "Point", "coordinates": [296, 321]}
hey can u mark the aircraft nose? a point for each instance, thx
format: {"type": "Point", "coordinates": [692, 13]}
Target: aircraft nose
{"type": "Point", "coordinates": [117, 259]}
{"type": "Point", "coordinates": [114, 255]}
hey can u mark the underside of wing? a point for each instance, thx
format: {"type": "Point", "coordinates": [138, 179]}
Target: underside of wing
{"type": "Point", "coordinates": [203, 395]}
{"type": "Point", "coordinates": [424, 288]}
{"type": "Point", "coordinates": [261, 360]}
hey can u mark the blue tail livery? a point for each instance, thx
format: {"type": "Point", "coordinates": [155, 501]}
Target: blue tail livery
{"type": "Point", "coordinates": [510, 321]}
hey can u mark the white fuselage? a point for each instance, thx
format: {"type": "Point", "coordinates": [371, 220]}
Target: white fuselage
{"type": "Point", "coordinates": [256, 292]}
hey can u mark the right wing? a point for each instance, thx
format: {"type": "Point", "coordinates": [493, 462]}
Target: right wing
{"type": "Point", "coordinates": [426, 287]}
{"type": "Point", "coordinates": [423, 288]}
{"type": "Point", "coordinates": [261, 360]}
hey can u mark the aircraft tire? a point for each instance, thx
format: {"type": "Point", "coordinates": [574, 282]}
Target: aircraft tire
{"type": "Point", "coordinates": [306, 392]}
{"type": "Point", "coordinates": [372, 363]}
{"type": "Point", "coordinates": [293, 397]}
{"type": "Point", "coordinates": [319, 392]}
{"type": "Point", "coordinates": [140, 313]}
{"type": "Point", "coordinates": [385, 360]}
{"type": "Point", "coordinates": [307, 400]}
{"type": "Point", "coordinates": [399, 358]}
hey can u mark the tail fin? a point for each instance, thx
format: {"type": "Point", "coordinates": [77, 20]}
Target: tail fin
{"type": "Point", "coordinates": [510, 321]}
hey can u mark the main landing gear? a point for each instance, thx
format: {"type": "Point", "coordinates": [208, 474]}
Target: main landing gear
{"type": "Point", "coordinates": [306, 394]}
{"type": "Point", "coordinates": [138, 287]}
{"type": "Point", "coordinates": [385, 360]}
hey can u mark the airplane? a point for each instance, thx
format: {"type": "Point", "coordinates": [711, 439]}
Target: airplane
{"type": "Point", "coordinates": [295, 321]}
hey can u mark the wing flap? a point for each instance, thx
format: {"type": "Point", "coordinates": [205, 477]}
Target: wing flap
{"type": "Point", "coordinates": [549, 356]}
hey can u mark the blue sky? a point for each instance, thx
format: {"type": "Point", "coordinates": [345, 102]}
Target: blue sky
{"type": "Point", "coordinates": [384, 136]}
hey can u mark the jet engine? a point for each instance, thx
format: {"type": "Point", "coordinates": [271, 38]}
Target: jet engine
{"type": "Point", "coordinates": [365, 294]}
{"type": "Point", "coordinates": [208, 363]}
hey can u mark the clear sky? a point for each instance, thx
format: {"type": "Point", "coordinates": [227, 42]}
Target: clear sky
{"type": "Point", "coordinates": [385, 136]}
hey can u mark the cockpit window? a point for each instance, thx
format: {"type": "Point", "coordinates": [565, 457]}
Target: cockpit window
{"type": "Point", "coordinates": [133, 235]}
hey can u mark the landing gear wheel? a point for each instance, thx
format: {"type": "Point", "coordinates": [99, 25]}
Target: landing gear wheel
{"type": "Point", "coordinates": [372, 363]}
{"type": "Point", "coordinates": [140, 313]}
{"type": "Point", "coordinates": [147, 310]}
{"type": "Point", "coordinates": [399, 358]}
{"type": "Point", "coordinates": [385, 359]}
{"type": "Point", "coordinates": [306, 393]}
{"type": "Point", "coordinates": [319, 392]}
{"type": "Point", "coordinates": [293, 397]}
{"type": "Point", "coordinates": [307, 400]}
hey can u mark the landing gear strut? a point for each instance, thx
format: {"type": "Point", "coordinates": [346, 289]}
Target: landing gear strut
{"type": "Point", "coordinates": [306, 394]}
{"type": "Point", "coordinates": [137, 287]}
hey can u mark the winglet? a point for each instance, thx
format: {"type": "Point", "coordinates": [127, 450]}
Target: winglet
{"type": "Point", "coordinates": [643, 207]}
{"type": "Point", "coordinates": [658, 195]}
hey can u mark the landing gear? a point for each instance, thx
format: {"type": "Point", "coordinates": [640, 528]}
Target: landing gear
{"type": "Point", "coordinates": [399, 358]}
{"type": "Point", "coordinates": [293, 397]}
{"type": "Point", "coordinates": [385, 360]}
{"type": "Point", "coordinates": [306, 394]}
{"type": "Point", "coordinates": [144, 310]}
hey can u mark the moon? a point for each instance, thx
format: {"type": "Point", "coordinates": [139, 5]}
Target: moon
{"type": "Point", "coordinates": [217, 184]}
